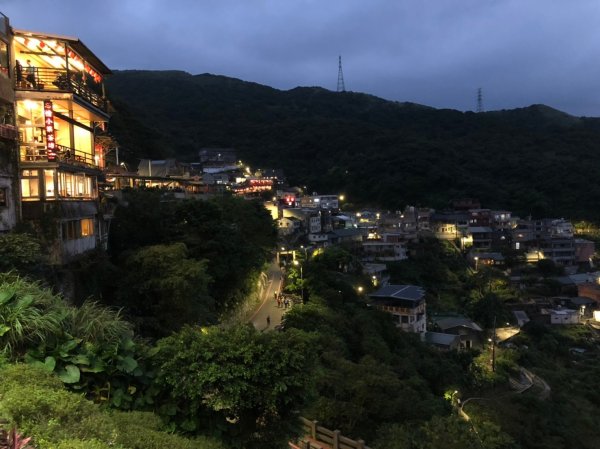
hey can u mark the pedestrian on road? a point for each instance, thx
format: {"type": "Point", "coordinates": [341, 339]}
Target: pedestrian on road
{"type": "Point", "coordinates": [278, 302]}
{"type": "Point", "coordinates": [268, 320]}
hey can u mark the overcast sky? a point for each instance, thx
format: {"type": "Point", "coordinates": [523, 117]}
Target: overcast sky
{"type": "Point", "coordinates": [433, 52]}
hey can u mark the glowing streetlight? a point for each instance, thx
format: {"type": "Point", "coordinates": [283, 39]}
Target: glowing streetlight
{"type": "Point", "coordinates": [301, 279]}
{"type": "Point", "coordinates": [341, 197]}
{"type": "Point", "coordinates": [304, 248]}
{"type": "Point", "coordinates": [476, 262]}
{"type": "Point", "coordinates": [360, 289]}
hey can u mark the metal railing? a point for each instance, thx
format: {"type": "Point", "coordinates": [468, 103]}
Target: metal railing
{"type": "Point", "coordinates": [71, 155]}
{"type": "Point", "coordinates": [51, 79]}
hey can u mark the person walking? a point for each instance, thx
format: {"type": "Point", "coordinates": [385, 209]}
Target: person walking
{"type": "Point", "coordinates": [268, 320]}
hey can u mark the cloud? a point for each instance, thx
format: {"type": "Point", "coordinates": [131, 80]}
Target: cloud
{"type": "Point", "coordinates": [436, 52]}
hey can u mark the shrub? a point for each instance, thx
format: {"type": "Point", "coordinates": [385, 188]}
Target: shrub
{"type": "Point", "coordinates": [38, 405]}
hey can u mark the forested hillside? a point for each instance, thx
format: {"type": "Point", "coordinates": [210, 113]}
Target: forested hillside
{"type": "Point", "coordinates": [533, 160]}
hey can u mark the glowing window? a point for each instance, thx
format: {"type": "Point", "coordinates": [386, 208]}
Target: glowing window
{"type": "Point", "coordinates": [87, 227]}
{"type": "Point", "coordinates": [30, 184]}
{"type": "Point", "coordinates": [49, 183]}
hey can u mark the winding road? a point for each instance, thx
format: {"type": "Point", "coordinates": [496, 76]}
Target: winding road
{"type": "Point", "coordinates": [268, 306]}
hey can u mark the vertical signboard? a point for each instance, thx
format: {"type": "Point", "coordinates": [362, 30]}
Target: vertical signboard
{"type": "Point", "coordinates": [49, 125]}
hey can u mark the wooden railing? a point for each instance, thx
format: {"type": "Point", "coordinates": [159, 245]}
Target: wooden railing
{"type": "Point", "coordinates": [51, 79]}
{"type": "Point", "coordinates": [36, 152]}
{"type": "Point", "coordinates": [318, 437]}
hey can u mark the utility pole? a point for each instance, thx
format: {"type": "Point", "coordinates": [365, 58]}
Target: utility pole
{"type": "Point", "coordinates": [340, 83]}
{"type": "Point", "coordinates": [494, 347]}
{"type": "Point", "coordinates": [479, 100]}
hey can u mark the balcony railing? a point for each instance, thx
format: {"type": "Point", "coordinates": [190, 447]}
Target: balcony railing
{"type": "Point", "coordinates": [59, 80]}
{"type": "Point", "coordinates": [37, 153]}
{"type": "Point", "coordinates": [9, 132]}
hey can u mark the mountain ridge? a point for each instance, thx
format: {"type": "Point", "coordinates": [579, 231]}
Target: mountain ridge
{"type": "Point", "coordinates": [379, 152]}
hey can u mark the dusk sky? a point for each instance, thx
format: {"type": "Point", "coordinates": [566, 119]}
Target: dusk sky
{"type": "Point", "coordinates": [433, 52]}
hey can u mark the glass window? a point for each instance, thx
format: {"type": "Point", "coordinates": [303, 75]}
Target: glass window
{"type": "Point", "coordinates": [76, 185]}
{"type": "Point", "coordinates": [49, 183]}
{"type": "Point", "coordinates": [70, 230]}
{"type": "Point", "coordinates": [30, 184]}
{"type": "Point", "coordinates": [87, 227]}
{"type": "Point", "coordinates": [76, 229]}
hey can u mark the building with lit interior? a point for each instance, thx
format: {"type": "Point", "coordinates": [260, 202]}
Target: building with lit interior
{"type": "Point", "coordinates": [60, 107]}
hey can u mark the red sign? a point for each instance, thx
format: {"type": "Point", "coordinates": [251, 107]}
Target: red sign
{"type": "Point", "coordinates": [50, 137]}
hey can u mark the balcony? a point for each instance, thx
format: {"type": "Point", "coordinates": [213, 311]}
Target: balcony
{"type": "Point", "coordinates": [9, 132]}
{"type": "Point", "coordinates": [47, 79]}
{"type": "Point", "coordinates": [37, 153]}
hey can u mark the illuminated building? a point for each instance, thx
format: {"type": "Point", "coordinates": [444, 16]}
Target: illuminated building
{"type": "Point", "coordinates": [60, 107]}
{"type": "Point", "coordinates": [9, 190]}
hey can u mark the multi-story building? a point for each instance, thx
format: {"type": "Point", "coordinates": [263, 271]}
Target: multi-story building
{"type": "Point", "coordinates": [546, 239]}
{"type": "Point", "coordinates": [315, 201]}
{"type": "Point", "coordinates": [9, 189]}
{"type": "Point", "coordinates": [60, 107]}
{"type": "Point", "coordinates": [406, 303]}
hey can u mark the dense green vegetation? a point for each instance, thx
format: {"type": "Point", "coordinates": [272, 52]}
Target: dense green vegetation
{"type": "Point", "coordinates": [182, 262]}
{"type": "Point", "coordinates": [372, 378]}
{"type": "Point", "coordinates": [534, 160]}
{"type": "Point", "coordinates": [36, 402]}
{"type": "Point", "coordinates": [337, 361]}
{"type": "Point", "coordinates": [245, 386]}
{"type": "Point", "coordinates": [237, 385]}
{"type": "Point", "coordinates": [567, 417]}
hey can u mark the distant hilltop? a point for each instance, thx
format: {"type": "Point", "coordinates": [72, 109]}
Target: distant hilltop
{"type": "Point", "coordinates": [534, 160]}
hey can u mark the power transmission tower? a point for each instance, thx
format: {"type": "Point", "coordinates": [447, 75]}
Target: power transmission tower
{"type": "Point", "coordinates": [479, 100]}
{"type": "Point", "coordinates": [340, 85]}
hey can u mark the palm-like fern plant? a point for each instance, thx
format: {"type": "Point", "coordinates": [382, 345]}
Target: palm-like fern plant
{"type": "Point", "coordinates": [29, 314]}
{"type": "Point", "coordinates": [97, 324]}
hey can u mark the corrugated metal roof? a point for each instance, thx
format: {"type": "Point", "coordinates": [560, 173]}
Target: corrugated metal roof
{"type": "Point", "coordinates": [408, 292]}
{"type": "Point", "coordinates": [449, 323]}
{"type": "Point", "coordinates": [438, 338]}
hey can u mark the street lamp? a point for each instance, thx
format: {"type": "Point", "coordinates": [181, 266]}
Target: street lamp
{"type": "Point", "coordinates": [452, 398]}
{"type": "Point", "coordinates": [476, 262]}
{"type": "Point", "coordinates": [301, 279]}
{"type": "Point", "coordinates": [304, 248]}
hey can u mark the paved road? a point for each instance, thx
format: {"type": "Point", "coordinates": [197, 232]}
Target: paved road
{"type": "Point", "coordinates": [268, 306]}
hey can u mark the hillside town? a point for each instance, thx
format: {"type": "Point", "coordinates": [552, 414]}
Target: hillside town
{"type": "Point", "coordinates": [64, 176]}
{"type": "Point", "coordinates": [60, 162]}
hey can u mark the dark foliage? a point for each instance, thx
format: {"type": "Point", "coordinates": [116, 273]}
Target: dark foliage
{"type": "Point", "coordinates": [185, 261]}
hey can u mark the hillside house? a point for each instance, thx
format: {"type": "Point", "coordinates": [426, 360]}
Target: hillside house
{"type": "Point", "coordinates": [406, 303]}
{"type": "Point", "coordinates": [471, 335]}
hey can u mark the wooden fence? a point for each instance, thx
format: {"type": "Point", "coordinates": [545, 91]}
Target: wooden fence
{"type": "Point", "coordinates": [317, 437]}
